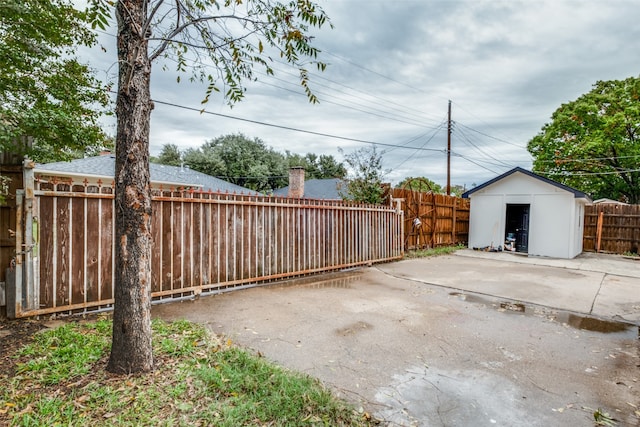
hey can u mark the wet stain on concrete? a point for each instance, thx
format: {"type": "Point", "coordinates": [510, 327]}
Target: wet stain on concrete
{"type": "Point", "coordinates": [596, 325]}
{"type": "Point", "coordinates": [335, 283]}
{"type": "Point", "coordinates": [476, 299]}
{"type": "Point", "coordinates": [577, 321]}
{"type": "Point", "coordinates": [343, 280]}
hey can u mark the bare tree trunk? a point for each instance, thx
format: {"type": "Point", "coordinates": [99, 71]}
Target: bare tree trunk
{"type": "Point", "coordinates": [131, 349]}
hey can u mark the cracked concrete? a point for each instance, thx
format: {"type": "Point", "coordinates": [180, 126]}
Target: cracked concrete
{"type": "Point", "coordinates": [456, 340]}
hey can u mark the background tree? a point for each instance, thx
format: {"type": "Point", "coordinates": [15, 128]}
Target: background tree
{"type": "Point", "coordinates": [43, 152]}
{"type": "Point", "coordinates": [593, 143]}
{"type": "Point", "coordinates": [364, 181]}
{"type": "Point", "coordinates": [317, 167]}
{"type": "Point", "coordinates": [329, 167]}
{"type": "Point", "coordinates": [170, 155]}
{"type": "Point", "coordinates": [230, 38]}
{"type": "Point", "coordinates": [237, 159]}
{"type": "Point", "coordinates": [458, 190]}
{"type": "Point", "coordinates": [250, 162]}
{"type": "Point", "coordinates": [45, 92]}
{"type": "Point", "coordinates": [422, 184]}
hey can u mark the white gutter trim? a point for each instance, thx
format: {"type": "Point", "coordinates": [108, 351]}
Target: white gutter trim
{"type": "Point", "coordinates": [108, 178]}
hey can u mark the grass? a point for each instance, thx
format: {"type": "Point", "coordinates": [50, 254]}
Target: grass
{"type": "Point", "coordinates": [442, 250]}
{"type": "Point", "coordinates": [60, 379]}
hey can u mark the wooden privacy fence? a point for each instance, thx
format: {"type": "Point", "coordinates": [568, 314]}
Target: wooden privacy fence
{"type": "Point", "coordinates": [612, 228]}
{"type": "Point", "coordinates": [202, 243]}
{"type": "Point", "coordinates": [432, 220]}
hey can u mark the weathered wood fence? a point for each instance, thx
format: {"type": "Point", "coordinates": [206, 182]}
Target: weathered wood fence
{"type": "Point", "coordinates": [10, 170]}
{"type": "Point", "coordinates": [612, 228]}
{"type": "Point", "coordinates": [433, 220]}
{"type": "Point", "coordinates": [61, 236]}
{"type": "Point", "coordinates": [201, 243]}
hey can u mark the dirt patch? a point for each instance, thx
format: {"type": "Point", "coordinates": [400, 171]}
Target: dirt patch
{"type": "Point", "coordinates": [14, 335]}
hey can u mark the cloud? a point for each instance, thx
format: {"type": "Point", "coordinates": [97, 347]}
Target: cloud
{"type": "Point", "coordinates": [393, 66]}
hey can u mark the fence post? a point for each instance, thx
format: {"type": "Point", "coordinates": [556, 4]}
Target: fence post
{"type": "Point", "coordinates": [454, 235]}
{"type": "Point", "coordinates": [434, 221]}
{"type": "Point", "coordinates": [31, 296]}
{"type": "Point", "coordinates": [14, 275]}
{"type": "Point", "coordinates": [599, 230]}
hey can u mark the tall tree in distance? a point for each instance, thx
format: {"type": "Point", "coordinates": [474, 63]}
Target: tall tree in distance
{"type": "Point", "coordinates": [249, 162]}
{"type": "Point", "coordinates": [364, 181]}
{"type": "Point", "coordinates": [240, 160]}
{"type": "Point", "coordinates": [170, 155]}
{"type": "Point", "coordinates": [593, 143]}
{"type": "Point", "coordinates": [317, 167]}
{"type": "Point", "coordinates": [45, 92]}
{"type": "Point", "coordinates": [231, 38]}
{"type": "Point", "coordinates": [422, 184]}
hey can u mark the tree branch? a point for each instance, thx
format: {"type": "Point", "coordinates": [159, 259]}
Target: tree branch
{"type": "Point", "coordinates": [180, 28]}
{"type": "Point", "coordinates": [147, 22]}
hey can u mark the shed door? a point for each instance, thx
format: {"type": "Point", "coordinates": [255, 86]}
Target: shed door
{"type": "Point", "coordinates": [517, 228]}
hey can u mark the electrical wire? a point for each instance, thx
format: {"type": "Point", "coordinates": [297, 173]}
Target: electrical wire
{"type": "Point", "coordinates": [460, 126]}
{"type": "Point", "coordinates": [412, 155]}
{"type": "Point", "coordinates": [380, 113]}
{"type": "Point", "coordinates": [563, 173]}
{"type": "Point", "coordinates": [490, 136]}
{"type": "Point", "coordinates": [344, 138]}
{"type": "Point", "coordinates": [467, 140]}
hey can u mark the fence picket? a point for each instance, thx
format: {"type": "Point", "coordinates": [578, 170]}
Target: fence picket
{"type": "Point", "coordinates": [201, 242]}
{"type": "Point", "coordinates": [620, 228]}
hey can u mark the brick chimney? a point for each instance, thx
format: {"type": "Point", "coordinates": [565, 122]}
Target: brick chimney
{"type": "Point", "coordinates": [296, 182]}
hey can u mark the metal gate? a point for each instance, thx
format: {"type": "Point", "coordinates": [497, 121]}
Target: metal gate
{"type": "Point", "coordinates": [201, 242]}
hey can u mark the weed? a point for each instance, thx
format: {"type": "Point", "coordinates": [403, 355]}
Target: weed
{"type": "Point", "coordinates": [441, 250]}
{"type": "Point", "coordinates": [64, 353]}
{"type": "Point", "coordinates": [199, 380]}
{"type": "Point", "coordinates": [603, 418]}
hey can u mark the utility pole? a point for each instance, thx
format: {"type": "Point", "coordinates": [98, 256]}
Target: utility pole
{"type": "Point", "coordinates": [449, 152]}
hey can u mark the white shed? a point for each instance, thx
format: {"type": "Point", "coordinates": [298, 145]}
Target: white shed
{"type": "Point", "coordinates": [523, 212]}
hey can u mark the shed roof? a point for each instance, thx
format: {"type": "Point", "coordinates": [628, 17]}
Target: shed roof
{"type": "Point", "coordinates": [104, 167]}
{"type": "Point", "coordinates": [577, 194]}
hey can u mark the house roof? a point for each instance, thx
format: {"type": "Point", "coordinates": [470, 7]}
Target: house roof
{"type": "Point", "coordinates": [104, 167]}
{"type": "Point", "coordinates": [326, 189]}
{"type": "Point", "coordinates": [577, 194]}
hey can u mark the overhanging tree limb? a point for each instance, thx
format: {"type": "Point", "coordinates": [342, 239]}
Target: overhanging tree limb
{"type": "Point", "coordinates": [600, 128]}
{"type": "Point", "coordinates": [280, 27]}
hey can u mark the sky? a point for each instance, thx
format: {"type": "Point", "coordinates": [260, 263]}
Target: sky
{"type": "Point", "coordinates": [393, 67]}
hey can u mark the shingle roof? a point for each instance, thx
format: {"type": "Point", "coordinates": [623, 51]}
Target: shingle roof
{"type": "Point", "coordinates": [326, 189]}
{"type": "Point", "coordinates": [104, 167]}
{"type": "Point", "coordinates": [577, 194]}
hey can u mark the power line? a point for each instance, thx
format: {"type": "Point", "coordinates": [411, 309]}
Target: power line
{"type": "Point", "coordinates": [637, 156]}
{"type": "Point", "coordinates": [470, 160]}
{"type": "Point", "coordinates": [490, 136]}
{"type": "Point", "coordinates": [344, 138]}
{"type": "Point", "coordinates": [324, 100]}
{"type": "Point", "coordinates": [588, 173]}
{"type": "Point", "coordinates": [483, 121]}
{"type": "Point", "coordinates": [468, 141]}
{"type": "Point", "coordinates": [371, 71]}
{"type": "Point", "coordinates": [412, 155]}
{"type": "Point", "coordinates": [316, 76]}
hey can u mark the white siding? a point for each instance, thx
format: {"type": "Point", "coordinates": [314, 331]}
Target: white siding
{"type": "Point", "coordinates": [555, 216]}
{"type": "Point", "coordinates": [486, 221]}
{"type": "Point", "coordinates": [550, 226]}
